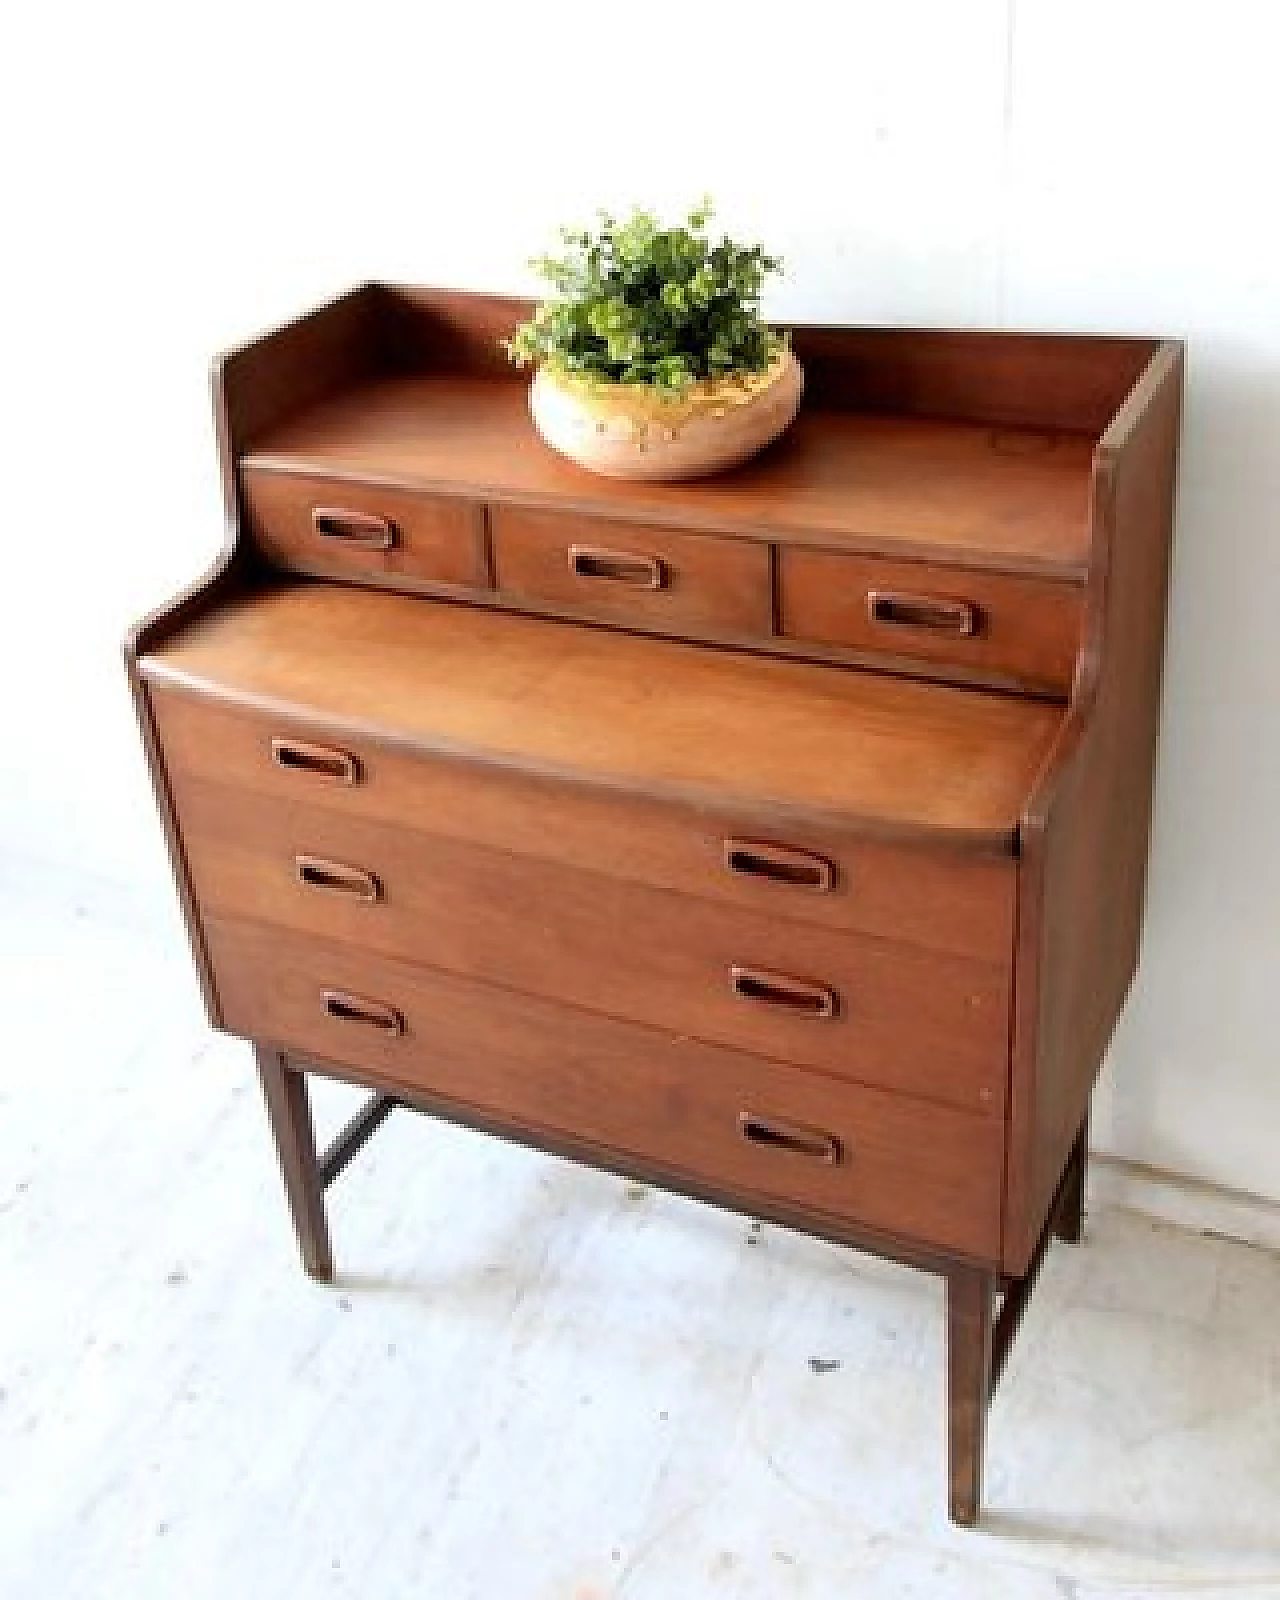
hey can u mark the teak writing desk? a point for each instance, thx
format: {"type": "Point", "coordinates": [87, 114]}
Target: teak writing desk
{"type": "Point", "coordinates": [777, 838]}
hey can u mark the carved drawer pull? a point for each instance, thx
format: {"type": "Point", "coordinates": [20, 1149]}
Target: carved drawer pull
{"type": "Point", "coordinates": [317, 873]}
{"type": "Point", "coordinates": [360, 528]}
{"type": "Point", "coordinates": [344, 1007]}
{"type": "Point", "coordinates": [320, 760]}
{"type": "Point", "coordinates": [787, 994]}
{"type": "Point", "coordinates": [959, 617]}
{"type": "Point", "coordinates": [752, 858]}
{"type": "Point", "coordinates": [770, 1133]}
{"type": "Point", "coordinates": [618, 566]}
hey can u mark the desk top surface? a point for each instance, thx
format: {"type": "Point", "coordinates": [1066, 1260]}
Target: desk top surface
{"type": "Point", "coordinates": [1012, 499]}
{"type": "Point", "coordinates": [654, 715]}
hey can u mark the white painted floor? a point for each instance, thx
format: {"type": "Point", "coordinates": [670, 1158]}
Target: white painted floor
{"type": "Point", "coordinates": [534, 1382]}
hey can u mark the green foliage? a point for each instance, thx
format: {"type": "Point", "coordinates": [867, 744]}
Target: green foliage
{"type": "Point", "coordinates": [637, 303]}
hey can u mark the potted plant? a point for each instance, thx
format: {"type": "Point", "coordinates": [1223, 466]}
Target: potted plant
{"type": "Point", "coordinates": [653, 360]}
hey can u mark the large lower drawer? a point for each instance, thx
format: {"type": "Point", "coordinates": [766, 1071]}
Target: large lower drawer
{"type": "Point", "coordinates": [775, 866]}
{"type": "Point", "coordinates": [919, 1171]}
{"type": "Point", "coordinates": [869, 1010]}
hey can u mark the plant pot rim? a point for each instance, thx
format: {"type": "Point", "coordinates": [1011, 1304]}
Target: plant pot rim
{"type": "Point", "coordinates": [609, 400]}
{"type": "Point", "coordinates": [760, 378]}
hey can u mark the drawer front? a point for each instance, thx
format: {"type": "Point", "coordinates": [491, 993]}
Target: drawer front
{"type": "Point", "coordinates": [332, 528]}
{"type": "Point", "coordinates": [1024, 631]}
{"type": "Point", "coordinates": [627, 572]}
{"type": "Point", "coordinates": [868, 1010]}
{"type": "Point", "coordinates": [933, 898]}
{"type": "Point", "coordinates": [878, 1160]}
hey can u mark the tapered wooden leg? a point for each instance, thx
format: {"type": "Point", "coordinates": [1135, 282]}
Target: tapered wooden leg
{"type": "Point", "coordinates": [970, 1294]}
{"type": "Point", "coordinates": [1068, 1224]}
{"type": "Point", "coordinates": [289, 1108]}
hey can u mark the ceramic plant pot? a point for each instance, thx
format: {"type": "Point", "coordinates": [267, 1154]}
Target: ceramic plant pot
{"type": "Point", "coordinates": [630, 431]}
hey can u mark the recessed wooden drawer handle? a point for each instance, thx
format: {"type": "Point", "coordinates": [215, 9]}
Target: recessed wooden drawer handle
{"type": "Point", "coordinates": [354, 527]}
{"type": "Point", "coordinates": [344, 1007]}
{"type": "Point", "coordinates": [792, 1136]}
{"type": "Point", "coordinates": [752, 858]}
{"type": "Point", "coordinates": [317, 873]}
{"type": "Point", "coordinates": [787, 994]}
{"type": "Point", "coordinates": [959, 617]}
{"type": "Point", "coordinates": [618, 566]}
{"type": "Point", "coordinates": [321, 760]}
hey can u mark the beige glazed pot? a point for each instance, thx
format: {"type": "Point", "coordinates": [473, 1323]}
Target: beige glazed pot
{"type": "Point", "coordinates": [629, 431]}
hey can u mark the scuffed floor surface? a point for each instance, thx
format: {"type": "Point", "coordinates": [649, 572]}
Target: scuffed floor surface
{"type": "Point", "coordinates": [533, 1382]}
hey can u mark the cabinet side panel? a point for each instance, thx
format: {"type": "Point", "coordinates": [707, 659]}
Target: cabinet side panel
{"type": "Point", "coordinates": [259, 384]}
{"type": "Point", "coordinates": [1083, 875]}
{"type": "Point", "coordinates": [226, 577]}
{"type": "Point", "coordinates": [173, 840]}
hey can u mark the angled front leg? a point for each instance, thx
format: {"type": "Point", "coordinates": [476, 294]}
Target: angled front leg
{"type": "Point", "coordinates": [289, 1109]}
{"type": "Point", "coordinates": [970, 1295]}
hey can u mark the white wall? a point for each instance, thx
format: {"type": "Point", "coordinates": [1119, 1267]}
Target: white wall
{"type": "Point", "coordinates": [177, 177]}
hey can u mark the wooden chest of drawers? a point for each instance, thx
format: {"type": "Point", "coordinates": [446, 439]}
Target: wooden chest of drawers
{"type": "Point", "coordinates": [778, 838]}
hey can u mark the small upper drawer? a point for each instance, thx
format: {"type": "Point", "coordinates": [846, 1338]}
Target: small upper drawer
{"type": "Point", "coordinates": [333, 528]}
{"type": "Point", "coordinates": [632, 573]}
{"type": "Point", "coordinates": [1019, 630]}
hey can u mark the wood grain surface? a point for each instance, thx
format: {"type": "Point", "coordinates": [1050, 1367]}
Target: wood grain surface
{"type": "Point", "coordinates": [660, 717]}
{"type": "Point", "coordinates": [633, 573]}
{"type": "Point", "coordinates": [1024, 629]}
{"type": "Point", "coordinates": [921, 1021]}
{"type": "Point", "coordinates": [923, 893]}
{"type": "Point", "coordinates": [907, 1165]}
{"type": "Point", "coordinates": [1069, 382]}
{"type": "Point", "coordinates": [1085, 833]}
{"type": "Point", "coordinates": [432, 538]}
{"type": "Point", "coordinates": [1012, 499]}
